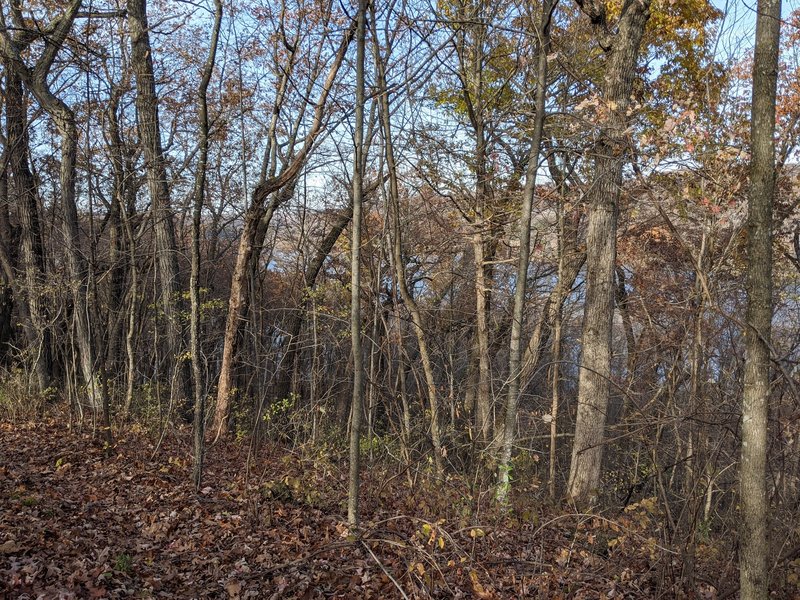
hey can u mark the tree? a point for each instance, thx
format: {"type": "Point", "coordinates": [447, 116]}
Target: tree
{"type": "Point", "coordinates": [23, 193]}
{"type": "Point", "coordinates": [36, 80]}
{"type": "Point", "coordinates": [397, 247]}
{"type": "Point", "coordinates": [163, 218]}
{"type": "Point", "coordinates": [279, 187]}
{"type": "Point", "coordinates": [359, 164]}
{"type": "Point", "coordinates": [610, 152]}
{"type": "Point", "coordinates": [194, 281]}
{"type": "Point", "coordinates": [754, 574]}
{"type": "Point", "coordinates": [523, 261]}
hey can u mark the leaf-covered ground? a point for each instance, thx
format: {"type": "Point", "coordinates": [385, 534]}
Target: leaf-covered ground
{"type": "Point", "coordinates": [78, 520]}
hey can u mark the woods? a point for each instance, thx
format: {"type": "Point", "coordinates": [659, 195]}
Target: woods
{"type": "Point", "coordinates": [519, 279]}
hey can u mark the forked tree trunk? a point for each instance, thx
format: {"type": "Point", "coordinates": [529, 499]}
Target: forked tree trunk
{"type": "Point", "coordinates": [194, 279]}
{"type": "Point", "coordinates": [278, 188]}
{"type": "Point", "coordinates": [63, 117]}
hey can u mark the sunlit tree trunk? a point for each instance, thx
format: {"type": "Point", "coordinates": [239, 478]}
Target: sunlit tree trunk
{"type": "Point", "coordinates": [754, 547]}
{"type": "Point", "coordinates": [610, 152]}
{"type": "Point", "coordinates": [278, 188]}
{"type": "Point", "coordinates": [357, 404]}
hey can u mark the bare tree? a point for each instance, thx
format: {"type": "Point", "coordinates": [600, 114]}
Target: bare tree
{"type": "Point", "coordinates": [279, 187]}
{"type": "Point", "coordinates": [23, 190]}
{"type": "Point", "coordinates": [64, 118]}
{"type": "Point", "coordinates": [523, 261]}
{"type": "Point", "coordinates": [397, 254]}
{"type": "Point", "coordinates": [194, 281]}
{"type": "Point", "coordinates": [163, 219]}
{"type": "Point", "coordinates": [357, 406]}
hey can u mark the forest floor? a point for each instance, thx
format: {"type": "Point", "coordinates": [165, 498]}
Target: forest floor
{"type": "Point", "coordinates": [81, 520]}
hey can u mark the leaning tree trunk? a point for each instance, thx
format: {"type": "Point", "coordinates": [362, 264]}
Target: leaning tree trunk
{"type": "Point", "coordinates": [754, 546]}
{"type": "Point", "coordinates": [279, 188]}
{"type": "Point", "coordinates": [601, 245]}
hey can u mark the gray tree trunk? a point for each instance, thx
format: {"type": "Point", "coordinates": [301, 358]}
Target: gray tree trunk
{"type": "Point", "coordinates": [356, 407]}
{"type": "Point", "coordinates": [164, 227]}
{"type": "Point", "coordinates": [610, 153]}
{"type": "Point", "coordinates": [754, 548]}
{"type": "Point", "coordinates": [515, 350]}
{"type": "Point", "coordinates": [24, 194]}
{"type": "Point", "coordinates": [36, 80]}
{"type": "Point", "coordinates": [194, 279]}
{"type": "Point", "coordinates": [398, 262]}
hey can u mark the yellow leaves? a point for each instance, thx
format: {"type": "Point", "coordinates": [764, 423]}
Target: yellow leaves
{"type": "Point", "coordinates": [563, 557]}
{"type": "Point", "coordinates": [648, 505]}
{"type": "Point", "coordinates": [431, 536]}
{"type": "Point", "coordinates": [476, 532]}
{"type": "Point", "coordinates": [477, 587]}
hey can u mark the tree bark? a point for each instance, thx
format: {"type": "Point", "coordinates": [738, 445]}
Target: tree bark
{"type": "Point", "coordinates": [163, 218]}
{"type": "Point", "coordinates": [610, 154]}
{"type": "Point", "coordinates": [356, 407]}
{"type": "Point", "coordinates": [521, 279]}
{"type": "Point", "coordinates": [753, 574]}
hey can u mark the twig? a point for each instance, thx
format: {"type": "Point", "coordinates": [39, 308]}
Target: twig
{"type": "Point", "coordinates": [389, 575]}
{"type": "Point", "coordinates": [296, 563]}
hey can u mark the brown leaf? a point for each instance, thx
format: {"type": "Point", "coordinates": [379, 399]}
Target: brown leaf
{"type": "Point", "coordinates": [10, 547]}
{"type": "Point", "coordinates": [234, 589]}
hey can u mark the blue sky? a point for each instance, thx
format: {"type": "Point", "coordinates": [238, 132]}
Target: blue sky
{"type": "Point", "coordinates": [738, 27]}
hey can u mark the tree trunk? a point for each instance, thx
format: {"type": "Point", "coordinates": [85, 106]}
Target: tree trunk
{"type": "Point", "coordinates": [356, 406]}
{"type": "Point", "coordinates": [24, 194]}
{"type": "Point", "coordinates": [164, 227]}
{"type": "Point", "coordinates": [521, 279]}
{"type": "Point", "coordinates": [754, 545]}
{"type": "Point", "coordinates": [63, 117]}
{"type": "Point", "coordinates": [399, 265]}
{"type": "Point", "coordinates": [194, 279]}
{"type": "Point", "coordinates": [610, 153]}
{"type": "Point", "coordinates": [251, 239]}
